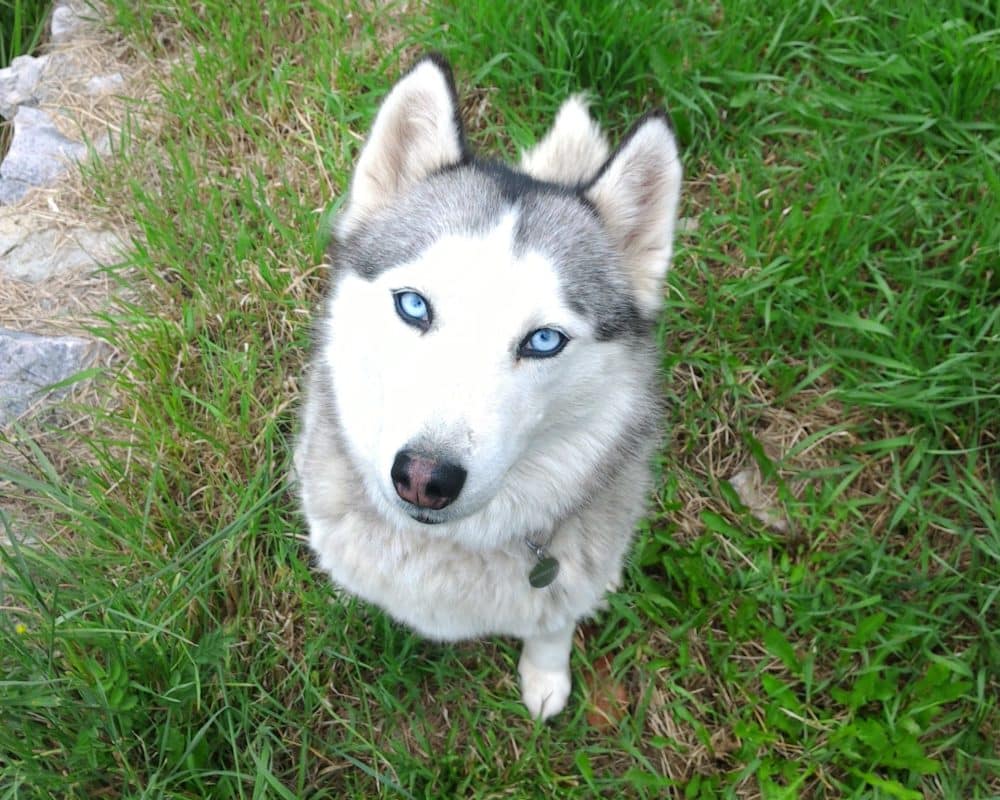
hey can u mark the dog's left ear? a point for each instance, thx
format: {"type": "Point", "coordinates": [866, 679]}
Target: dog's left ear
{"type": "Point", "coordinates": [417, 131]}
{"type": "Point", "coordinates": [573, 151]}
{"type": "Point", "coordinates": [636, 193]}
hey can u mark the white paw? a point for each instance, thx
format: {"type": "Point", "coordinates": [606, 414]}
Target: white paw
{"type": "Point", "coordinates": [543, 691]}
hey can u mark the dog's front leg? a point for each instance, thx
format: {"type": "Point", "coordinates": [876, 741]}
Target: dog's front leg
{"type": "Point", "coordinates": [544, 670]}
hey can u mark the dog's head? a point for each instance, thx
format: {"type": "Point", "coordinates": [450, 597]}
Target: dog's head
{"type": "Point", "coordinates": [488, 333]}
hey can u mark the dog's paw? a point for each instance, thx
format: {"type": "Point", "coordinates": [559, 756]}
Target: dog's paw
{"type": "Point", "coordinates": [544, 692]}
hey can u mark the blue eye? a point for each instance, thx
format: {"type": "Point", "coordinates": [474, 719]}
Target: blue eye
{"type": "Point", "coordinates": [542, 343]}
{"type": "Point", "coordinates": [413, 309]}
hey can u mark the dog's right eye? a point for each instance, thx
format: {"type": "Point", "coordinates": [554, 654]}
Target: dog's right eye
{"type": "Point", "coordinates": [413, 309]}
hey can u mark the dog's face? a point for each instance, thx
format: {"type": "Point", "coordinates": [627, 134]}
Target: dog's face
{"type": "Point", "coordinates": [483, 323]}
{"type": "Point", "coordinates": [467, 355]}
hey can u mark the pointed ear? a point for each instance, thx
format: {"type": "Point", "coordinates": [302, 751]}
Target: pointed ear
{"type": "Point", "coordinates": [636, 194]}
{"type": "Point", "coordinates": [572, 151]}
{"type": "Point", "coordinates": [417, 131]}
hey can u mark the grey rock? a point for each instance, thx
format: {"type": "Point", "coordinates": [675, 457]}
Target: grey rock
{"type": "Point", "coordinates": [38, 154]}
{"type": "Point", "coordinates": [105, 84]}
{"type": "Point", "coordinates": [32, 253]}
{"type": "Point", "coordinates": [20, 83]}
{"type": "Point", "coordinates": [67, 20]}
{"type": "Point", "coordinates": [30, 364]}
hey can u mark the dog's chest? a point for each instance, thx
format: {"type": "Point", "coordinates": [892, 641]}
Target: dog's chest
{"type": "Point", "coordinates": [442, 590]}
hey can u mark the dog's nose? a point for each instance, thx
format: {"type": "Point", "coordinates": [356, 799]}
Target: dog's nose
{"type": "Point", "coordinates": [426, 482]}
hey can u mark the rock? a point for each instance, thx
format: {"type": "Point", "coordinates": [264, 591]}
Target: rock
{"type": "Point", "coordinates": [68, 19]}
{"type": "Point", "coordinates": [30, 363]}
{"type": "Point", "coordinates": [105, 84]}
{"type": "Point", "coordinates": [36, 245]}
{"type": "Point", "coordinates": [19, 83]}
{"type": "Point", "coordinates": [32, 253]}
{"type": "Point", "coordinates": [38, 154]}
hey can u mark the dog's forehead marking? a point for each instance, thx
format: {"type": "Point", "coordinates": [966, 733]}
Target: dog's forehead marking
{"type": "Point", "coordinates": [472, 200]}
{"type": "Point", "coordinates": [488, 283]}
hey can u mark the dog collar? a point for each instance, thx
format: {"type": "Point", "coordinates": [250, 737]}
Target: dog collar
{"type": "Point", "coordinates": [547, 567]}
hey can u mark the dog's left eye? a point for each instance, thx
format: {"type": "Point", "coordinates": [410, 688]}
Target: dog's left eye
{"type": "Point", "coordinates": [542, 343]}
{"type": "Point", "coordinates": [413, 309]}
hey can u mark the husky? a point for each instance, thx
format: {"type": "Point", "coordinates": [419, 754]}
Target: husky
{"type": "Point", "coordinates": [483, 400]}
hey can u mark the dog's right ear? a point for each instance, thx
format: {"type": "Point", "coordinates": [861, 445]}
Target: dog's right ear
{"type": "Point", "coordinates": [417, 130]}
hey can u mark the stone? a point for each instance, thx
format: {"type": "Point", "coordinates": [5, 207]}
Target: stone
{"type": "Point", "coordinates": [31, 253]}
{"type": "Point", "coordinates": [30, 363]}
{"type": "Point", "coordinates": [38, 154]}
{"type": "Point", "coordinates": [105, 84]}
{"type": "Point", "coordinates": [68, 19]}
{"type": "Point", "coordinates": [20, 84]}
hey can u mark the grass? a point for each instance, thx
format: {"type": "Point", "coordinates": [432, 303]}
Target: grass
{"type": "Point", "coordinates": [22, 23]}
{"type": "Point", "coordinates": [21, 27]}
{"type": "Point", "coordinates": [832, 323]}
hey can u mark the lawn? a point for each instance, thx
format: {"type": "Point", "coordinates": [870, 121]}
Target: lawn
{"type": "Point", "coordinates": [832, 329]}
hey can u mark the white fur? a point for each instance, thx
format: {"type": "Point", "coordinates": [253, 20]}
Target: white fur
{"type": "Point", "coordinates": [500, 414]}
{"type": "Point", "coordinates": [537, 436]}
{"type": "Point", "coordinates": [532, 431]}
{"type": "Point", "coordinates": [545, 681]}
{"type": "Point", "coordinates": [572, 151]}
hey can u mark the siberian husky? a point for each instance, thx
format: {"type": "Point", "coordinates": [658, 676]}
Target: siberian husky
{"type": "Point", "coordinates": [483, 402]}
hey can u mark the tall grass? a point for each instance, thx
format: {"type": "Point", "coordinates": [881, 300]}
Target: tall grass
{"type": "Point", "coordinates": [831, 322]}
{"type": "Point", "coordinates": [21, 27]}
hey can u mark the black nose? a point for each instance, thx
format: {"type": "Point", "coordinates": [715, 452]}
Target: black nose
{"type": "Point", "coordinates": [426, 482]}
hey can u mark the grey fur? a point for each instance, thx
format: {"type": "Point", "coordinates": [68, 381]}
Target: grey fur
{"type": "Point", "coordinates": [581, 475]}
{"type": "Point", "coordinates": [553, 220]}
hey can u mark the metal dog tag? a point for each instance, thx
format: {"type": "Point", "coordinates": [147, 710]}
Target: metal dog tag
{"type": "Point", "coordinates": [544, 572]}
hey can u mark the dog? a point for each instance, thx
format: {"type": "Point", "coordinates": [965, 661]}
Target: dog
{"type": "Point", "coordinates": [483, 399]}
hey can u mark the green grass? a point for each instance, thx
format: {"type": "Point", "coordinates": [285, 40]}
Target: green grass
{"type": "Point", "coordinates": [21, 27]}
{"type": "Point", "coordinates": [833, 320]}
